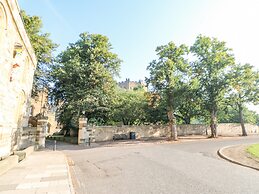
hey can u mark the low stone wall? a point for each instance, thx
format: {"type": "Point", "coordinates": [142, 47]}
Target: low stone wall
{"type": "Point", "coordinates": [226, 129]}
{"type": "Point", "coordinates": [28, 137]}
{"type": "Point", "coordinates": [72, 140]}
{"type": "Point", "coordinates": [106, 133]}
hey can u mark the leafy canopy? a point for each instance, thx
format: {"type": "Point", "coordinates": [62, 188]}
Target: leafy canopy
{"type": "Point", "coordinates": [213, 60]}
{"type": "Point", "coordinates": [83, 77]}
{"type": "Point", "coordinates": [244, 83]}
{"type": "Point", "coordinates": [43, 48]}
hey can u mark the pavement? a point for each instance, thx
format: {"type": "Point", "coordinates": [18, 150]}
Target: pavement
{"type": "Point", "coordinates": [238, 155]}
{"type": "Point", "coordinates": [188, 166]}
{"type": "Point", "coordinates": [43, 171]}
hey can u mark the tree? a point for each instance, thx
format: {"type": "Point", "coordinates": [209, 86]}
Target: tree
{"type": "Point", "coordinates": [130, 107]}
{"type": "Point", "coordinates": [83, 78]}
{"type": "Point", "coordinates": [213, 59]}
{"type": "Point", "coordinates": [244, 89]}
{"type": "Point", "coordinates": [188, 101]}
{"type": "Point", "coordinates": [43, 47]}
{"type": "Point", "coordinates": [231, 115]}
{"type": "Point", "coordinates": [156, 108]}
{"type": "Point", "coordinates": [166, 75]}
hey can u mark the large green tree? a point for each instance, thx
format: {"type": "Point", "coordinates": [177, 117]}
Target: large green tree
{"type": "Point", "coordinates": [213, 59]}
{"type": "Point", "coordinates": [43, 47]}
{"type": "Point", "coordinates": [130, 107]}
{"type": "Point", "coordinates": [166, 76]}
{"type": "Point", "coordinates": [83, 78]}
{"type": "Point", "coordinates": [188, 101]}
{"type": "Point", "coordinates": [245, 89]}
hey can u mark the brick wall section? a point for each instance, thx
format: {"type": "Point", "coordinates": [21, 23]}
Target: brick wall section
{"type": "Point", "coordinates": [14, 94]}
{"type": "Point", "coordinates": [105, 133]}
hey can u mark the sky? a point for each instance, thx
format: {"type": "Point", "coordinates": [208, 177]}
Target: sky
{"type": "Point", "coordinates": [136, 27]}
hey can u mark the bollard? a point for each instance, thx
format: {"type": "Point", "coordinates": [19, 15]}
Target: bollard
{"type": "Point", "coordinates": [55, 145]}
{"type": "Point", "coordinates": [89, 143]}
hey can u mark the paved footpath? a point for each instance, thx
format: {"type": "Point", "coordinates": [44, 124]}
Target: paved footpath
{"type": "Point", "coordinates": [238, 154]}
{"type": "Point", "coordinates": [42, 172]}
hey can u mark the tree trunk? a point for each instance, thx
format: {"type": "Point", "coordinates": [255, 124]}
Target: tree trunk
{"type": "Point", "coordinates": [172, 124]}
{"type": "Point", "coordinates": [187, 120]}
{"type": "Point", "coordinates": [213, 124]}
{"type": "Point", "coordinates": [241, 118]}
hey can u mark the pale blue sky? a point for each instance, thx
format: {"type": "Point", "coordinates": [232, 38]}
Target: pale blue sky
{"type": "Point", "coordinates": [136, 27]}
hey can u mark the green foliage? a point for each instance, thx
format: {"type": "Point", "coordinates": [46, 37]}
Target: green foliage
{"type": "Point", "coordinates": [156, 109]}
{"type": "Point", "coordinates": [167, 74]}
{"type": "Point", "coordinates": [169, 69]}
{"type": "Point", "coordinates": [244, 85]}
{"type": "Point", "coordinates": [43, 48]}
{"type": "Point", "coordinates": [129, 107]}
{"type": "Point", "coordinates": [231, 115]}
{"type": "Point", "coordinates": [188, 102]}
{"type": "Point", "coordinates": [244, 88]}
{"type": "Point", "coordinates": [83, 78]}
{"type": "Point", "coordinates": [213, 59]}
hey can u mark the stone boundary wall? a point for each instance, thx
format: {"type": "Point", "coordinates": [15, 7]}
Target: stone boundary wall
{"type": "Point", "coordinates": [226, 129]}
{"type": "Point", "coordinates": [28, 137]}
{"type": "Point", "coordinates": [106, 133]}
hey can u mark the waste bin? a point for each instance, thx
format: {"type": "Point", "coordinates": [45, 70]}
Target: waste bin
{"type": "Point", "coordinates": [132, 135]}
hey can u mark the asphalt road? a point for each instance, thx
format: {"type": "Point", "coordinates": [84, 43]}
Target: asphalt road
{"type": "Point", "coordinates": [189, 167]}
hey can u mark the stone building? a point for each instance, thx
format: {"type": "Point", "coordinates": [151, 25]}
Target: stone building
{"type": "Point", "coordinates": [17, 66]}
{"type": "Point", "coordinates": [130, 85]}
{"type": "Point", "coordinates": [40, 105]}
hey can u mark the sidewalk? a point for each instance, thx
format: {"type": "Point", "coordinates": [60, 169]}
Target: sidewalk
{"type": "Point", "coordinates": [42, 172]}
{"type": "Point", "coordinates": [238, 155]}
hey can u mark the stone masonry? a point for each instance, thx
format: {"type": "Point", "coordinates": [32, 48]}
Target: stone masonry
{"type": "Point", "coordinates": [37, 104]}
{"type": "Point", "coordinates": [17, 66]}
{"type": "Point", "coordinates": [106, 133]}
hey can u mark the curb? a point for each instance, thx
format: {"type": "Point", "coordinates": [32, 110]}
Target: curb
{"type": "Point", "coordinates": [220, 153]}
{"type": "Point", "coordinates": [71, 186]}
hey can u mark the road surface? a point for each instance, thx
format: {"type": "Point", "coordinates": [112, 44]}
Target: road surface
{"type": "Point", "coordinates": [190, 167]}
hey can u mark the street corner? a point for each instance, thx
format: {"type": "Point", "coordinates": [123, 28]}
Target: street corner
{"type": "Point", "coordinates": [238, 155]}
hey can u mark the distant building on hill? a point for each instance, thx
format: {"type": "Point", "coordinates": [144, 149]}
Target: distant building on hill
{"type": "Point", "coordinates": [130, 85]}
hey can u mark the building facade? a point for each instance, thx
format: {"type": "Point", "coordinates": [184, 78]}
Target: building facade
{"type": "Point", "coordinates": [40, 106]}
{"type": "Point", "coordinates": [17, 66]}
{"type": "Point", "coordinates": [130, 85]}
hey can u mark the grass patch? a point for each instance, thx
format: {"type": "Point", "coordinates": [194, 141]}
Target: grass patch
{"type": "Point", "coordinates": [253, 150]}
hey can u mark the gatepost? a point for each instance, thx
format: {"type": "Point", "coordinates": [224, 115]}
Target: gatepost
{"type": "Point", "coordinates": [83, 135]}
{"type": "Point", "coordinates": [41, 132]}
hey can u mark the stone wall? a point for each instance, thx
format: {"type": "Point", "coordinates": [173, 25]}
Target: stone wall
{"type": "Point", "coordinates": [17, 65]}
{"type": "Point", "coordinates": [37, 104]}
{"type": "Point", "coordinates": [106, 133]}
{"type": "Point", "coordinates": [28, 137]}
{"type": "Point", "coordinates": [228, 129]}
